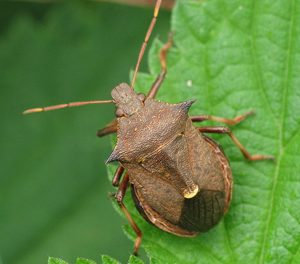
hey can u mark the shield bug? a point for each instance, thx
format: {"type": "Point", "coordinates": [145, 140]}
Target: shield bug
{"type": "Point", "coordinates": [180, 179]}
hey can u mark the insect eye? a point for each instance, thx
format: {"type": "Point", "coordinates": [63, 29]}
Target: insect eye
{"type": "Point", "coordinates": [142, 97]}
{"type": "Point", "coordinates": [119, 112]}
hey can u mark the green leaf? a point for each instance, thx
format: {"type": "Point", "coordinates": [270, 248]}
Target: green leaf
{"type": "Point", "coordinates": [109, 260]}
{"type": "Point", "coordinates": [234, 56]}
{"type": "Point", "coordinates": [56, 261]}
{"type": "Point", "coordinates": [105, 260]}
{"type": "Point", "coordinates": [84, 261]}
{"type": "Point", "coordinates": [135, 260]}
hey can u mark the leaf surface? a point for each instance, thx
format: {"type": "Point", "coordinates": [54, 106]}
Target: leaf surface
{"type": "Point", "coordinates": [232, 57]}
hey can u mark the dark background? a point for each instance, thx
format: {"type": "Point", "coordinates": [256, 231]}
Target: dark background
{"type": "Point", "coordinates": [53, 184]}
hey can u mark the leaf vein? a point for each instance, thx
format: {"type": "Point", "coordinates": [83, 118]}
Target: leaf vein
{"type": "Point", "coordinates": [257, 69]}
{"type": "Point", "coordinates": [281, 136]}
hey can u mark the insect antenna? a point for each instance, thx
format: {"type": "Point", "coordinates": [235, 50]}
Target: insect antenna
{"type": "Point", "coordinates": [60, 106]}
{"type": "Point", "coordinates": [144, 45]}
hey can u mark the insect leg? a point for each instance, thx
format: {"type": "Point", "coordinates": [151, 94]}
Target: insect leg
{"type": "Point", "coordinates": [118, 174]}
{"type": "Point", "coordinates": [163, 62]}
{"type": "Point", "coordinates": [226, 130]}
{"type": "Point", "coordinates": [108, 129]}
{"type": "Point", "coordinates": [119, 197]}
{"type": "Point", "coordinates": [231, 122]}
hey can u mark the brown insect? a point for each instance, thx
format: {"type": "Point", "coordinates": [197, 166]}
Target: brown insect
{"type": "Point", "coordinates": [180, 179]}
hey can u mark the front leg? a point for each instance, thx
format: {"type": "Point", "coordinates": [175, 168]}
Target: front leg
{"type": "Point", "coordinates": [110, 128]}
{"type": "Point", "coordinates": [163, 62]}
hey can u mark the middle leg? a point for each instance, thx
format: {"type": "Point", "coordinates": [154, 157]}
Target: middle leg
{"type": "Point", "coordinates": [118, 175]}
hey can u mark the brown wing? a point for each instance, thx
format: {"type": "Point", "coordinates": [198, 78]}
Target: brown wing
{"type": "Point", "coordinates": [167, 203]}
{"type": "Point", "coordinates": [162, 203]}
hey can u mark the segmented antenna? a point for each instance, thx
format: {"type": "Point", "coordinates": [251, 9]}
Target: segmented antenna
{"type": "Point", "coordinates": [141, 54]}
{"type": "Point", "coordinates": [60, 106]}
{"type": "Point", "coordinates": [144, 45]}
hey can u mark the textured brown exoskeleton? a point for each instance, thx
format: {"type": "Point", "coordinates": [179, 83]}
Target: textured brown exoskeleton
{"type": "Point", "coordinates": [181, 180]}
